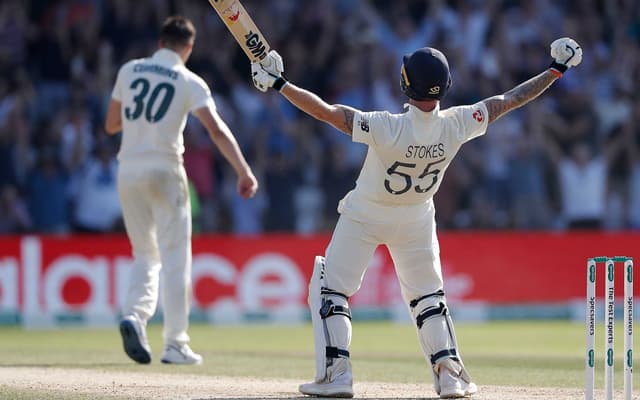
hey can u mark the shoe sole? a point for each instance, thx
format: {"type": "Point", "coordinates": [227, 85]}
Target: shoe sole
{"type": "Point", "coordinates": [341, 395]}
{"type": "Point", "coordinates": [457, 394]}
{"type": "Point", "coordinates": [344, 394]}
{"type": "Point", "coordinates": [132, 345]}
{"type": "Point", "coordinates": [180, 363]}
{"type": "Point", "coordinates": [453, 395]}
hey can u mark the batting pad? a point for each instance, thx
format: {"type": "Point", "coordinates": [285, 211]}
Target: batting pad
{"type": "Point", "coordinates": [436, 335]}
{"type": "Point", "coordinates": [331, 320]}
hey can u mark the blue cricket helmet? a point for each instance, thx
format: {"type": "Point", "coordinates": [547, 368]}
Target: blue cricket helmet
{"type": "Point", "coordinates": [425, 74]}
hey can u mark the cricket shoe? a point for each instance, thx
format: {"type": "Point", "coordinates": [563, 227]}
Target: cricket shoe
{"type": "Point", "coordinates": [134, 340]}
{"type": "Point", "coordinates": [452, 386]}
{"type": "Point", "coordinates": [337, 383]}
{"type": "Point", "coordinates": [175, 354]}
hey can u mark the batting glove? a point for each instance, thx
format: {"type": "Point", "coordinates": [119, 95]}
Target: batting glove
{"type": "Point", "coordinates": [566, 53]}
{"type": "Point", "coordinates": [273, 63]}
{"type": "Point", "coordinates": [263, 79]}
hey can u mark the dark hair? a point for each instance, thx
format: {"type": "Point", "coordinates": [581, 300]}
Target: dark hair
{"type": "Point", "coordinates": [177, 31]}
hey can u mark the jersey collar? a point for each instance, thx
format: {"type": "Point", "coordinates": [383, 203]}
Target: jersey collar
{"type": "Point", "coordinates": [415, 112]}
{"type": "Point", "coordinates": [167, 55]}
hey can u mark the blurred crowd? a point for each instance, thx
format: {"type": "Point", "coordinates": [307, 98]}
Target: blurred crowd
{"type": "Point", "coordinates": [570, 159]}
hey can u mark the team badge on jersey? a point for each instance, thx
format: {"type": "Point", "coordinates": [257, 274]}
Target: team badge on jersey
{"type": "Point", "coordinates": [477, 115]}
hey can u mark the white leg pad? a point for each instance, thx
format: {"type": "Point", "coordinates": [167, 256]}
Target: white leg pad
{"type": "Point", "coordinates": [437, 337]}
{"type": "Point", "coordinates": [331, 320]}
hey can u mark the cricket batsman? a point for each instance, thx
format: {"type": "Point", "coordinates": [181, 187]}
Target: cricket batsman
{"type": "Point", "coordinates": [150, 103]}
{"type": "Point", "coordinates": [392, 204]}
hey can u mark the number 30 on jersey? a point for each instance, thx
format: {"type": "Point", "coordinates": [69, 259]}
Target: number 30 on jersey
{"type": "Point", "coordinates": [147, 105]}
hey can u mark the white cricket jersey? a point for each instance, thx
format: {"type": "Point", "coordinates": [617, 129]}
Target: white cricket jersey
{"type": "Point", "coordinates": [407, 157]}
{"type": "Point", "coordinates": [584, 189]}
{"type": "Point", "coordinates": [157, 93]}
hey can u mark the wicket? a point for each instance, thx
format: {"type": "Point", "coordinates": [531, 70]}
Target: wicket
{"type": "Point", "coordinates": [609, 320]}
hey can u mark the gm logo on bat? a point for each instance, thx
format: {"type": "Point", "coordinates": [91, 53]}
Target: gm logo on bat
{"type": "Point", "coordinates": [255, 45]}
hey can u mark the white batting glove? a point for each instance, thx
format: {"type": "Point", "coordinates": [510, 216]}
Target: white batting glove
{"type": "Point", "coordinates": [566, 53]}
{"type": "Point", "coordinates": [273, 63]}
{"type": "Point", "coordinates": [263, 79]}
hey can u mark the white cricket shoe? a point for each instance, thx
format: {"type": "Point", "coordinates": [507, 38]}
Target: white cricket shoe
{"type": "Point", "coordinates": [337, 383]}
{"type": "Point", "coordinates": [134, 339]}
{"type": "Point", "coordinates": [175, 354]}
{"type": "Point", "coordinates": [326, 389]}
{"type": "Point", "coordinates": [452, 386]}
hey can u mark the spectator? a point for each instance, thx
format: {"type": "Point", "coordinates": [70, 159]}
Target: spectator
{"type": "Point", "coordinates": [528, 186]}
{"type": "Point", "coordinates": [632, 146]}
{"type": "Point", "coordinates": [97, 207]}
{"type": "Point", "coordinates": [76, 140]}
{"type": "Point", "coordinates": [50, 58]}
{"type": "Point", "coordinates": [247, 217]}
{"type": "Point", "coordinates": [280, 180]}
{"type": "Point", "coordinates": [583, 183]}
{"type": "Point", "coordinates": [14, 217]}
{"type": "Point", "coordinates": [58, 60]}
{"type": "Point", "coordinates": [49, 195]}
{"type": "Point", "coordinates": [7, 143]}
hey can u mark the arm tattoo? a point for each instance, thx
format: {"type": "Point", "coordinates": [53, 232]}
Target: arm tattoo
{"type": "Point", "coordinates": [346, 125]}
{"type": "Point", "coordinates": [518, 96]}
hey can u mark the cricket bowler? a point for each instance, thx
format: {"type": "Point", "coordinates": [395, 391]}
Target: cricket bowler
{"type": "Point", "coordinates": [150, 103]}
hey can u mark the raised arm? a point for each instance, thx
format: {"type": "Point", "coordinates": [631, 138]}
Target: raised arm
{"type": "Point", "coordinates": [565, 52]}
{"type": "Point", "coordinates": [340, 116]}
{"type": "Point", "coordinates": [519, 95]}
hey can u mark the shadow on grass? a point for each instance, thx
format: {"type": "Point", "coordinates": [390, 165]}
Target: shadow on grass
{"type": "Point", "coordinates": [64, 365]}
{"type": "Point", "coordinates": [296, 397]}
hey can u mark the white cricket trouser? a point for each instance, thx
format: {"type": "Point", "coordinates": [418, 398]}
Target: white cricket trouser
{"type": "Point", "coordinates": [157, 215]}
{"type": "Point", "coordinates": [412, 243]}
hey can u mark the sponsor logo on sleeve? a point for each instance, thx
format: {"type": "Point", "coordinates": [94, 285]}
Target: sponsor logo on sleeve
{"type": "Point", "coordinates": [478, 116]}
{"type": "Point", "coordinates": [364, 124]}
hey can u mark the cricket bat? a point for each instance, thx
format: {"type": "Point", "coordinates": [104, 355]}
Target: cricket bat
{"type": "Point", "coordinates": [242, 27]}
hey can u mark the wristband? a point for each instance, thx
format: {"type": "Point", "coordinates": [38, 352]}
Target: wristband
{"type": "Point", "coordinates": [279, 83]}
{"type": "Point", "coordinates": [558, 74]}
{"type": "Point", "coordinates": [561, 68]}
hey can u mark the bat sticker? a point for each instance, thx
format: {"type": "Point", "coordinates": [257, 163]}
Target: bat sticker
{"type": "Point", "coordinates": [234, 18]}
{"type": "Point", "coordinates": [232, 13]}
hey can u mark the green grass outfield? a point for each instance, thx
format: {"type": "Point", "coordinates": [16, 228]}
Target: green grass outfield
{"type": "Point", "coordinates": [536, 354]}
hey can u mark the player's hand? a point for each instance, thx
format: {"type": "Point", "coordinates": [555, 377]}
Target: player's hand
{"type": "Point", "coordinates": [247, 186]}
{"type": "Point", "coordinates": [566, 52]}
{"type": "Point", "coordinates": [273, 63]}
{"type": "Point", "coordinates": [263, 79]}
